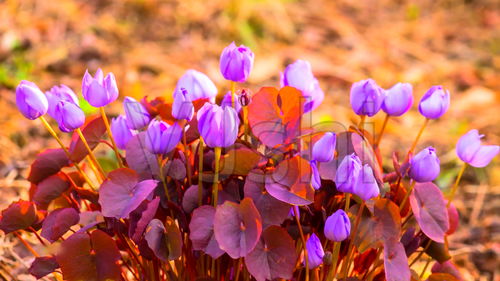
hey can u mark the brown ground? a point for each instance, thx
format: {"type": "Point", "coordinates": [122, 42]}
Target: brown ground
{"type": "Point", "coordinates": [148, 45]}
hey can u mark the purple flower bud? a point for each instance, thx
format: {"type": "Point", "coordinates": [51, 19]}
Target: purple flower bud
{"type": "Point", "coordinates": [121, 132]}
{"type": "Point", "coordinates": [137, 115]}
{"type": "Point", "coordinates": [69, 116]}
{"type": "Point", "coordinates": [315, 251]}
{"type": "Point", "coordinates": [162, 138]}
{"type": "Point", "coordinates": [218, 125]}
{"type": "Point", "coordinates": [347, 173]}
{"type": "Point", "coordinates": [424, 166]}
{"type": "Point", "coordinates": [366, 186]}
{"type": "Point", "coordinates": [236, 62]}
{"type": "Point", "coordinates": [57, 94]}
{"type": "Point", "coordinates": [366, 97]}
{"type": "Point", "coordinates": [398, 99]}
{"type": "Point", "coordinates": [324, 148]}
{"type": "Point", "coordinates": [182, 108]}
{"type": "Point", "coordinates": [435, 102]}
{"type": "Point", "coordinates": [470, 150]}
{"type": "Point", "coordinates": [226, 101]}
{"type": "Point", "coordinates": [315, 178]}
{"type": "Point", "coordinates": [245, 98]}
{"type": "Point", "coordinates": [99, 91]}
{"type": "Point", "coordinates": [30, 100]}
{"type": "Point", "coordinates": [337, 226]}
{"type": "Point", "coordinates": [197, 85]}
{"type": "Point", "coordinates": [299, 75]}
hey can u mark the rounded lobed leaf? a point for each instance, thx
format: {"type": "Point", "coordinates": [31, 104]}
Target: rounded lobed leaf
{"type": "Point", "coordinates": [93, 130]}
{"type": "Point", "coordinates": [274, 255]}
{"type": "Point", "coordinates": [47, 163]}
{"type": "Point", "coordinates": [237, 227]}
{"type": "Point", "coordinates": [274, 116]}
{"type": "Point", "coordinates": [201, 230]}
{"type": "Point", "coordinates": [43, 266]}
{"type": "Point", "coordinates": [140, 218]}
{"type": "Point", "coordinates": [49, 189]}
{"type": "Point", "coordinates": [396, 262]}
{"type": "Point", "coordinates": [58, 222]}
{"type": "Point", "coordinates": [239, 161]}
{"type": "Point", "coordinates": [121, 193]}
{"type": "Point", "coordinates": [272, 210]}
{"type": "Point", "coordinates": [164, 241]}
{"type": "Point", "coordinates": [19, 215]}
{"type": "Point", "coordinates": [91, 257]}
{"type": "Point", "coordinates": [429, 207]}
{"type": "Point", "coordinates": [140, 159]}
{"type": "Point", "coordinates": [290, 182]}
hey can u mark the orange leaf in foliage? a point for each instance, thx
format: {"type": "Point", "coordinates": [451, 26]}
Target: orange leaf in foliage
{"type": "Point", "coordinates": [274, 116]}
{"type": "Point", "coordinates": [47, 163]}
{"type": "Point", "coordinates": [19, 215]}
{"type": "Point", "coordinates": [290, 182]}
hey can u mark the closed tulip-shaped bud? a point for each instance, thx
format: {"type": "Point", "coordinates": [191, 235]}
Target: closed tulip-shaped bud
{"type": "Point", "coordinates": [424, 166]}
{"type": "Point", "coordinates": [57, 94]}
{"type": "Point", "coordinates": [226, 101]}
{"type": "Point", "coordinates": [69, 116]}
{"type": "Point", "coordinates": [435, 102]}
{"type": "Point", "coordinates": [218, 125]}
{"type": "Point", "coordinates": [315, 252]}
{"type": "Point", "coordinates": [137, 115]}
{"type": "Point", "coordinates": [347, 173]}
{"type": "Point", "coordinates": [366, 186]}
{"type": "Point", "coordinates": [162, 138]}
{"type": "Point", "coordinates": [337, 226]}
{"type": "Point", "coordinates": [99, 90]}
{"type": "Point", "coordinates": [30, 100]}
{"type": "Point", "coordinates": [315, 177]}
{"type": "Point", "coordinates": [366, 97]}
{"type": "Point", "coordinates": [299, 75]}
{"type": "Point", "coordinates": [236, 63]}
{"type": "Point", "coordinates": [121, 132]}
{"type": "Point", "coordinates": [398, 99]}
{"type": "Point", "coordinates": [182, 108]}
{"type": "Point", "coordinates": [197, 85]}
{"type": "Point", "coordinates": [470, 150]}
{"type": "Point", "coordinates": [324, 148]}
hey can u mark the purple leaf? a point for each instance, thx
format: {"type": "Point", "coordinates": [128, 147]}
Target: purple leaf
{"type": "Point", "coordinates": [58, 222]}
{"type": "Point", "coordinates": [165, 242]}
{"type": "Point", "coordinates": [201, 230]}
{"type": "Point", "coordinates": [140, 218]}
{"type": "Point", "coordinates": [93, 130]}
{"type": "Point", "coordinates": [237, 227]}
{"type": "Point", "coordinates": [190, 198]}
{"type": "Point", "coordinates": [429, 208]}
{"type": "Point", "coordinates": [90, 219]}
{"type": "Point", "coordinates": [175, 168]}
{"type": "Point", "coordinates": [89, 257]}
{"type": "Point", "coordinates": [140, 159]}
{"type": "Point", "coordinates": [47, 163]}
{"type": "Point", "coordinates": [43, 266]}
{"type": "Point", "coordinates": [291, 182]}
{"type": "Point", "coordinates": [387, 220]}
{"type": "Point", "coordinates": [19, 215]}
{"type": "Point", "coordinates": [274, 255]}
{"type": "Point", "coordinates": [396, 262]}
{"type": "Point", "coordinates": [50, 189]}
{"type": "Point", "coordinates": [272, 210]}
{"type": "Point", "coordinates": [121, 193]}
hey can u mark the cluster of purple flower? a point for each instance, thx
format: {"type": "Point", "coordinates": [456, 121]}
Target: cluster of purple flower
{"type": "Point", "coordinates": [219, 126]}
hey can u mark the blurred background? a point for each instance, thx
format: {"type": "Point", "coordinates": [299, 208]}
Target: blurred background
{"type": "Point", "coordinates": [149, 44]}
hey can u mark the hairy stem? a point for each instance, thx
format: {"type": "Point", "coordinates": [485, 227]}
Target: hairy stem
{"type": "Point", "coordinates": [455, 186]}
{"type": "Point", "coordinates": [215, 187]}
{"type": "Point", "coordinates": [303, 238]}
{"type": "Point", "coordinates": [91, 153]}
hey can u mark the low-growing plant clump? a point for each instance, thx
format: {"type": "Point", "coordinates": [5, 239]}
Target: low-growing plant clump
{"type": "Point", "coordinates": [193, 190]}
